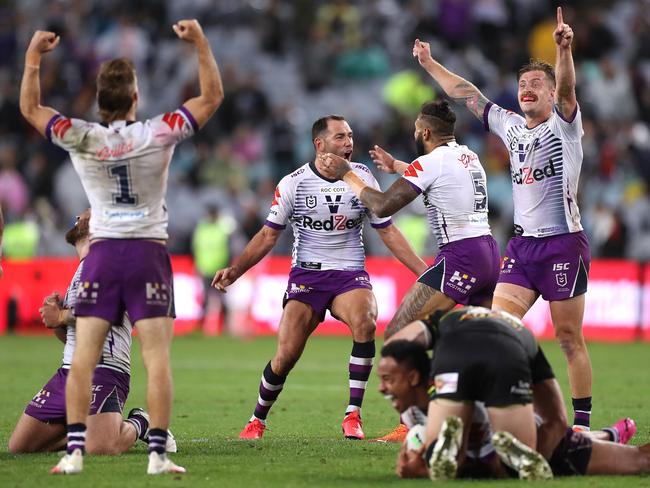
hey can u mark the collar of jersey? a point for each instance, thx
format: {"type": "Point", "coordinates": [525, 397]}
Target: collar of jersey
{"type": "Point", "coordinates": [118, 123]}
{"type": "Point", "coordinates": [312, 165]}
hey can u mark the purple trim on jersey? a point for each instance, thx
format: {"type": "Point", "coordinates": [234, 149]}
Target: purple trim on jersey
{"type": "Point", "coordinates": [570, 119]}
{"type": "Point", "coordinates": [189, 117]}
{"type": "Point", "coordinates": [48, 127]}
{"type": "Point", "coordinates": [486, 112]}
{"type": "Point", "coordinates": [275, 226]}
{"type": "Point", "coordinates": [382, 225]}
{"type": "Point", "coordinates": [415, 187]}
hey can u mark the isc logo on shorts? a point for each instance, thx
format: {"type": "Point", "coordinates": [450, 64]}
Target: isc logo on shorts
{"type": "Point", "coordinates": [446, 383]}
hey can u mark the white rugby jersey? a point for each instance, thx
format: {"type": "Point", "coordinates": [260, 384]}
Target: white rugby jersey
{"type": "Point", "coordinates": [453, 184]}
{"type": "Point", "coordinates": [123, 167]}
{"type": "Point", "coordinates": [326, 216]}
{"type": "Point", "coordinates": [545, 166]}
{"type": "Point", "coordinates": [116, 353]}
{"type": "Point", "coordinates": [479, 444]}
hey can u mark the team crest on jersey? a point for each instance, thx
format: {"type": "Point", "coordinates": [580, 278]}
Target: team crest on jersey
{"type": "Point", "coordinates": [311, 201]}
{"type": "Point", "coordinates": [561, 279]}
{"type": "Point", "coordinates": [355, 203]}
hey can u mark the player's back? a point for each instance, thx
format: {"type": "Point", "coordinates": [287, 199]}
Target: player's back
{"type": "Point", "coordinates": [453, 183]}
{"type": "Point", "coordinates": [123, 167]}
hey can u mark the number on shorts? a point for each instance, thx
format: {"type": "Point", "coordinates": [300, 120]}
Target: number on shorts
{"type": "Point", "coordinates": [480, 192]}
{"type": "Point", "coordinates": [124, 196]}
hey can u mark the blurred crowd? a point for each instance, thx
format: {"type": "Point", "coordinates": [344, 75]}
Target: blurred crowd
{"type": "Point", "coordinates": [286, 63]}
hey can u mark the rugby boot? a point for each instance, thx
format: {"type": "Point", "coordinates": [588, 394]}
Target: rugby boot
{"type": "Point", "coordinates": [626, 429]}
{"type": "Point", "coordinates": [170, 445]}
{"type": "Point", "coordinates": [70, 463]}
{"type": "Point", "coordinates": [444, 463]}
{"type": "Point", "coordinates": [398, 434]}
{"type": "Point", "coordinates": [160, 463]}
{"type": "Point", "coordinates": [253, 430]}
{"type": "Point", "coordinates": [528, 463]}
{"type": "Point", "coordinates": [352, 426]}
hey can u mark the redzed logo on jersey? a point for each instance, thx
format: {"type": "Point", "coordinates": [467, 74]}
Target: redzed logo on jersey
{"type": "Point", "coordinates": [61, 126]}
{"type": "Point", "coordinates": [173, 119]}
{"type": "Point", "coordinates": [413, 169]}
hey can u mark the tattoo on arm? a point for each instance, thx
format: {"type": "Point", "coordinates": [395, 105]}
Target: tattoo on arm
{"type": "Point", "coordinates": [413, 307]}
{"type": "Point", "coordinates": [467, 94]}
{"type": "Point", "coordinates": [383, 204]}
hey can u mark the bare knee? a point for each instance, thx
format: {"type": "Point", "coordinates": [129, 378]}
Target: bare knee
{"type": "Point", "coordinates": [363, 328]}
{"type": "Point", "coordinates": [570, 340]}
{"type": "Point", "coordinates": [18, 447]}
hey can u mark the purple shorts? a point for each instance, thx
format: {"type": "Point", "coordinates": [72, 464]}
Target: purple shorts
{"type": "Point", "coordinates": [557, 267]}
{"type": "Point", "coordinates": [132, 275]}
{"type": "Point", "coordinates": [466, 271]}
{"type": "Point", "coordinates": [109, 393]}
{"type": "Point", "coordinates": [319, 288]}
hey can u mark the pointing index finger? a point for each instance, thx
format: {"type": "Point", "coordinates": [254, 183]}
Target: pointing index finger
{"type": "Point", "coordinates": [560, 20]}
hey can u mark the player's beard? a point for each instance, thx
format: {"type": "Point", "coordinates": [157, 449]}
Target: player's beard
{"type": "Point", "coordinates": [78, 232]}
{"type": "Point", "coordinates": [419, 145]}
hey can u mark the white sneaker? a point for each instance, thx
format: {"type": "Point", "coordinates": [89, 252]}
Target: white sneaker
{"type": "Point", "coordinates": [70, 463]}
{"type": "Point", "coordinates": [443, 462]}
{"type": "Point", "coordinates": [530, 464]}
{"type": "Point", "coordinates": [160, 463]}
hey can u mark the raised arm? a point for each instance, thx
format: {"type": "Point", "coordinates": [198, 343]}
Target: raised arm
{"type": "Point", "coordinates": [386, 162]}
{"type": "Point", "coordinates": [211, 96]}
{"type": "Point", "coordinates": [382, 204]}
{"type": "Point", "coordinates": [401, 249]}
{"type": "Point", "coordinates": [565, 73]}
{"type": "Point", "coordinates": [259, 246]}
{"type": "Point", "coordinates": [30, 87]}
{"type": "Point", "coordinates": [461, 90]}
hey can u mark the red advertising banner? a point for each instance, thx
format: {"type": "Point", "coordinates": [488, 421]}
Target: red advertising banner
{"type": "Point", "coordinates": [617, 302]}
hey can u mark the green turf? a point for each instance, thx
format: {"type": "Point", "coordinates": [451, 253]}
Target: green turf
{"type": "Point", "coordinates": [216, 384]}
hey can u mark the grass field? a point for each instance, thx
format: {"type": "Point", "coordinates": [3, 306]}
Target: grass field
{"type": "Point", "coordinates": [216, 384]}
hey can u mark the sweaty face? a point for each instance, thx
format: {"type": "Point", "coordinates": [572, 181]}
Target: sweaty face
{"type": "Point", "coordinates": [535, 93]}
{"type": "Point", "coordinates": [337, 139]}
{"type": "Point", "coordinates": [396, 383]}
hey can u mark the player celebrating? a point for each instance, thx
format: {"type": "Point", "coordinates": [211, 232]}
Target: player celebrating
{"type": "Point", "coordinates": [549, 255]}
{"type": "Point", "coordinates": [123, 166]}
{"type": "Point", "coordinates": [42, 426]}
{"type": "Point", "coordinates": [327, 270]}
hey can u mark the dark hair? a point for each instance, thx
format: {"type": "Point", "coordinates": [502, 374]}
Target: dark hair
{"type": "Point", "coordinates": [439, 117]}
{"type": "Point", "coordinates": [411, 354]}
{"type": "Point", "coordinates": [79, 231]}
{"type": "Point", "coordinates": [538, 65]}
{"type": "Point", "coordinates": [115, 88]}
{"type": "Point", "coordinates": [320, 125]}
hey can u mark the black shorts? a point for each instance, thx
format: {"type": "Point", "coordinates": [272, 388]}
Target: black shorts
{"type": "Point", "coordinates": [487, 366]}
{"type": "Point", "coordinates": [540, 368]}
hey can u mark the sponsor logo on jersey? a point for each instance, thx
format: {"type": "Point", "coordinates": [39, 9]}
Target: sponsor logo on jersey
{"type": "Point", "coordinates": [114, 151]}
{"type": "Point", "coordinates": [521, 388]}
{"type": "Point", "coordinates": [333, 189]}
{"type": "Point", "coordinates": [334, 222]}
{"type": "Point", "coordinates": [173, 119]}
{"type": "Point", "coordinates": [298, 289]}
{"type": "Point", "coordinates": [355, 202]}
{"type": "Point", "coordinates": [333, 203]}
{"type": "Point", "coordinates": [40, 398]}
{"type": "Point", "coordinates": [413, 169]}
{"type": "Point", "coordinates": [466, 158]}
{"type": "Point", "coordinates": [298, 172]}
{"type": "Point", "coordinates": [526, 175]}
{"type": "Point", "coordinates": [446, 383]}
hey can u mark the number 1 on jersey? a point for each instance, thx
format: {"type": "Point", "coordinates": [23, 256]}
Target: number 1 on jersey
{"type": "Point", "coordinates": [123, 176]}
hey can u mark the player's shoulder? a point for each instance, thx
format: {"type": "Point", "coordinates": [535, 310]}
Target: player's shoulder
{"type": "Point", "coordinates": [295, 177]}
{"type": "Point", "coordinates": [360, 167]}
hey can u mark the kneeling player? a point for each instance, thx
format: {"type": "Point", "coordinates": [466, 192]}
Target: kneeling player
{"type": "Point", "coordinates": [42, 426]}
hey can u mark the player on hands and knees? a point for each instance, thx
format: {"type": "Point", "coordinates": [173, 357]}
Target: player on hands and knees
{"type": "Point", "coordinates": [327, 270]}
{"type": "Point", "coordinates": [549, 255]}
{"type": "Point", "coordinates": [452, 182]}
{"type": "Point", "coordinates": [42, 426]}
{"type": "Point", "coordinates": [123, 167]}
